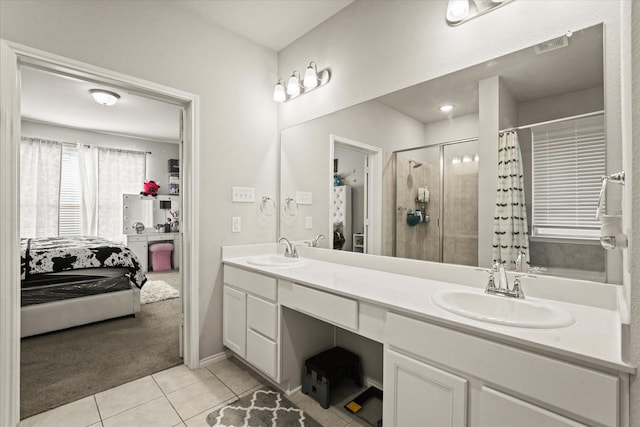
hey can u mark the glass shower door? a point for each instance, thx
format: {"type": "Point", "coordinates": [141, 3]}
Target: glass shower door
{"type": "Point", "coordinates": [417, 234]}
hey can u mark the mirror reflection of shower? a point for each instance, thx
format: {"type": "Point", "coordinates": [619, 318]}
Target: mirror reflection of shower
{"type": "Point", "coordinates": [428, 225]}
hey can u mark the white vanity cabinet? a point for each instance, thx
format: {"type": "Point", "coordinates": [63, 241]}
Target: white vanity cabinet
{"type": "Point", "coordinates": [484, 383]}
{"type": "Point", "coordinates": [251, 319]}
{"type": "Point", "coordinates": [140, 247]}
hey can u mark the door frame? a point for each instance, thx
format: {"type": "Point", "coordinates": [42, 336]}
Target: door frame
{"type": "Point", "coordinates": [373, 198]}
{"type": "Point", "coordinates": [12, 57]}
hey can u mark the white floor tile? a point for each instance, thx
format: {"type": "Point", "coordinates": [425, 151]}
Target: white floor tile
{"type": "Point", "coordinates": [197, 397]}
{"type": "Point", "coordinates": [179, 376]}
{"type": "Point", "coordinates": [127, 396]}
{"type": "Point", "coordinates": [156, 413]}
{"type": "Point", "coordinates": [200, 420]}
{"type": "Point", "coordinates": [235, 375]}
{"type": "Point", "coordinates": [80, 413]}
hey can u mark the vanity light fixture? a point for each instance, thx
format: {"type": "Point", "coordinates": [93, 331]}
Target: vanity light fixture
{"type": "Point", "coordinates": [312, 80]}
{"type": "Point", "coordinates": [446, 108]}
{"type": "Point", "coordinates": [460, 11]}
{"type": "Point", "coordinates": [455, 160]}
{"type": "Point", "coordinates": [466, 158]}
{"type": "Point", "coordinates": [476, 158]}
{"type": "Point", "coordinates": [293, 87]}
{"type": "Point", "coordinates": [104, 97]}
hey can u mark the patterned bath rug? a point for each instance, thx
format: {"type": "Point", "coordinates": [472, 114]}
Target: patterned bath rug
{"type": "Point", "coordinates": [262, 408]}
{"type": "Point", "coordinates": [157, 290]}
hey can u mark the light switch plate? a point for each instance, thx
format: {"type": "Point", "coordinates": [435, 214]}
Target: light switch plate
{"type": "Point", "coordinates": [236, 224]}
{"type": "Point", "coordinates": [243, 194]}
{"type": "Point", "coordinates": [304, 197]}
{"type": "Point", "coordinates": [308, 222]}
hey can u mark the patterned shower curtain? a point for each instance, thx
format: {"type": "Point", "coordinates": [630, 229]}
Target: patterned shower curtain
{"type": "Point", "coordinates": [510, 232]}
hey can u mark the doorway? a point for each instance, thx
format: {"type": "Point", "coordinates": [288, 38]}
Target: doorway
{"type": "Point", "coordinates": [356, 189]}
{"type": "Point", "coordinates": [15, 56]}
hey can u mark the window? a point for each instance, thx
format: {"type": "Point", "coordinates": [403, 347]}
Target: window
{"type": "Point", "coordinates": [70, 209]}
{"type": "Point", "coordinates": [568, 163]}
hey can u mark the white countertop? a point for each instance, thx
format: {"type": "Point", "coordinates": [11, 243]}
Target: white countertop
{"type": "Point", "coordinates": [593, 339]}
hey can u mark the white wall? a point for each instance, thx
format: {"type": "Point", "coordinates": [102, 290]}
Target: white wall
{"type": "Point", "coordinates": [157, 162]}
{"type": "Point", "coordinates": [461, 127]}
{"type": "Point", "coordinates": [161, 42]}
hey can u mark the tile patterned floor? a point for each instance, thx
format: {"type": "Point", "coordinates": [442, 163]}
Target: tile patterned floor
{"type": "Point", "coordinates": [176, 397]}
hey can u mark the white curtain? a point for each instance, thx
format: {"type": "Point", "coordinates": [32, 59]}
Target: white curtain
{"type": "Point", "coordinates": [40, 162]}
{"type": "Point", "coordinates": [88, 165]}
{"type": "Point", "coordinates": [119, 172]}
{"type": "Point", "coordinates": [510, 232]}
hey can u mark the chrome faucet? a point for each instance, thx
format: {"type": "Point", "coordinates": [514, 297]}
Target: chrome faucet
{"type": "Point", "coordinates": [503, 284]}
{"type": "Point", "coordinates": [289, 250]}
{"type": "Point", "coordinates": [316, 240]}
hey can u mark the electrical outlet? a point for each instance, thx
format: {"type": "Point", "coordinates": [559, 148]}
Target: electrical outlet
{"type": "Point", "coordinates": [308, 222]}
{"type": "Point", "coordinates": [236, 224]}
{"type": "Point", "coordinates": [304, 198]}
{"type": "Point", "coordinates": [243, 194]}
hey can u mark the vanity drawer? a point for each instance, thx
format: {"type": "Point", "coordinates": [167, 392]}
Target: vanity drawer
{"type": "Point", "coordinates": [256, 284]}
{"type": "Point", "coordinates": [262, 353]}
{"type": "Point", "coordinates": [134, 238]}
{"type": "Point", "coordinates": [331, 308]}
{"type": "Point", "coordinates": [540, 378]}
{"type": "Point", "coordinates": [160, 238]}
{"type": "Point", "coordinates": [262, 316]}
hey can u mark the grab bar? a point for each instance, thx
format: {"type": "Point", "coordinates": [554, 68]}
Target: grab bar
{"type": "Point", "coordinates": [617, 178]}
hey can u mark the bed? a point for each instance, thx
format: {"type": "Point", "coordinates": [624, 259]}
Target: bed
{"type": "Point", "coordinates": [73, 281]}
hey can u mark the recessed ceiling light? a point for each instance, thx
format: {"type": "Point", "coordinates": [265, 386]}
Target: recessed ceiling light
{"type": "Point", "coordinates": [446, 108]}
{"type": "Point", "coordinates": [104, 97]}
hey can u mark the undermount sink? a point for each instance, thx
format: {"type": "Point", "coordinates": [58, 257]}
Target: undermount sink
{"type": "Point", "coordinates": [275, 261]}
{"type": "Point", "coordinates": [503, 310]}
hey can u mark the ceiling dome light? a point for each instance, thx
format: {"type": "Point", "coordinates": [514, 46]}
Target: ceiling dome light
{"type": "Point", "coordinates": [104, 97]}
{"type": "Point", "coordinates": [446, 108]}
{"type": "Point", "coordinates": [457, 10]}
{"type": "Point", "coordinates": [293, 87]}
{"type": "Point", "coordinates": [279, 94]}
{"type": "Point", "coordinates": [311, 76]}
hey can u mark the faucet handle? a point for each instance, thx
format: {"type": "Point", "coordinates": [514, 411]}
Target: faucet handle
{"type": "Point", "coordinates": [490, 284]}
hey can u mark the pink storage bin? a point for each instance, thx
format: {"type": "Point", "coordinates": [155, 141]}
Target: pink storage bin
{"type": "Point", "coordinates": [161, 255]}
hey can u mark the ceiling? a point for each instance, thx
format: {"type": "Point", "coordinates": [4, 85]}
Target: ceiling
{"type": "Point", "coordinates": [65, 101]}
{"type": "Point", "coordinates": [527, 76]}
{"type": "Point", "coordinates": [271, 23]}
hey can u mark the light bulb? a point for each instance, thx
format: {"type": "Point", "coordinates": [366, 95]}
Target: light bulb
{"type": "Point", "coordinates": [104, 97]}
{"type": "Point", "coordinates": [310, 76]}
{"type": "Point", "coordinates": [455, 160]}
{"type": "Point", "coordinates": [476, 158]}
{"type": "Point", "coordinates": [457, 10]}
{"type": "Point", "coordinates": [293, 87]}
{"type": "Point", "coordinates": [466, 158]}
{"type": "Point", "coordinates": [278, 93]}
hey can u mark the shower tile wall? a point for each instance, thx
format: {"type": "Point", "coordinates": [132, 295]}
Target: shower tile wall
{"type": "Point", "coordinates": [460, 220]}
{"type": "Point", "coordinates": [423, 240]}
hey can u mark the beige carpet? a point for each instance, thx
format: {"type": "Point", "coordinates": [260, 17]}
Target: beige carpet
{"type": "Point", "coordinates": [61, 367]}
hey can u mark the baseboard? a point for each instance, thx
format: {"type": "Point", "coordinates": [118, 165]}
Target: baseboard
{"type": "Point", "coordinates": [215, 358]}
{"type": "Point", "coordinates": [370, 382]}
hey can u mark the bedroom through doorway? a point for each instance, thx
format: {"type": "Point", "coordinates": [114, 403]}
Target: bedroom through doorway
{"type": "Point", "coordinates": [101, 191]}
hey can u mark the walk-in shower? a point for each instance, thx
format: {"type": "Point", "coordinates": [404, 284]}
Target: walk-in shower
{"type": "Point", "coordinates": [436, 198]}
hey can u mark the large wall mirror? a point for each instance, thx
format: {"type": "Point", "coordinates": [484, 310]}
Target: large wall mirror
{"type": "Point", "coordinates": [397, 176]}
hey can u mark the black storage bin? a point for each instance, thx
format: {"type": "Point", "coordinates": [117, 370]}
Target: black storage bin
{"type": "Point", "coordinates": [174, 167]}
{"type": "Point", "coordinates": [326, 370]}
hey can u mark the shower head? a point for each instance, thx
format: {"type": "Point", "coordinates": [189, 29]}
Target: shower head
{"type": "Point", "coordinates": [414, 164]}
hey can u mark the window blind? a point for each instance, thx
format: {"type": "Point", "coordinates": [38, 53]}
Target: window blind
{"type": "Point", "coordinates": [70, 212]}
{"type": "Point", "coordinates": [568, 163]}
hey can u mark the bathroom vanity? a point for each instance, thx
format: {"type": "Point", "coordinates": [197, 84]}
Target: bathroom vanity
{"type": "Point", "coordinates": [439, 368]}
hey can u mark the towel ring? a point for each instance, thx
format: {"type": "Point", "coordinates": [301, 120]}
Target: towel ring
{"type": "Point", "coordinates": [290, 206]}
{"type": "Point", "coordinates": [267, 206]}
